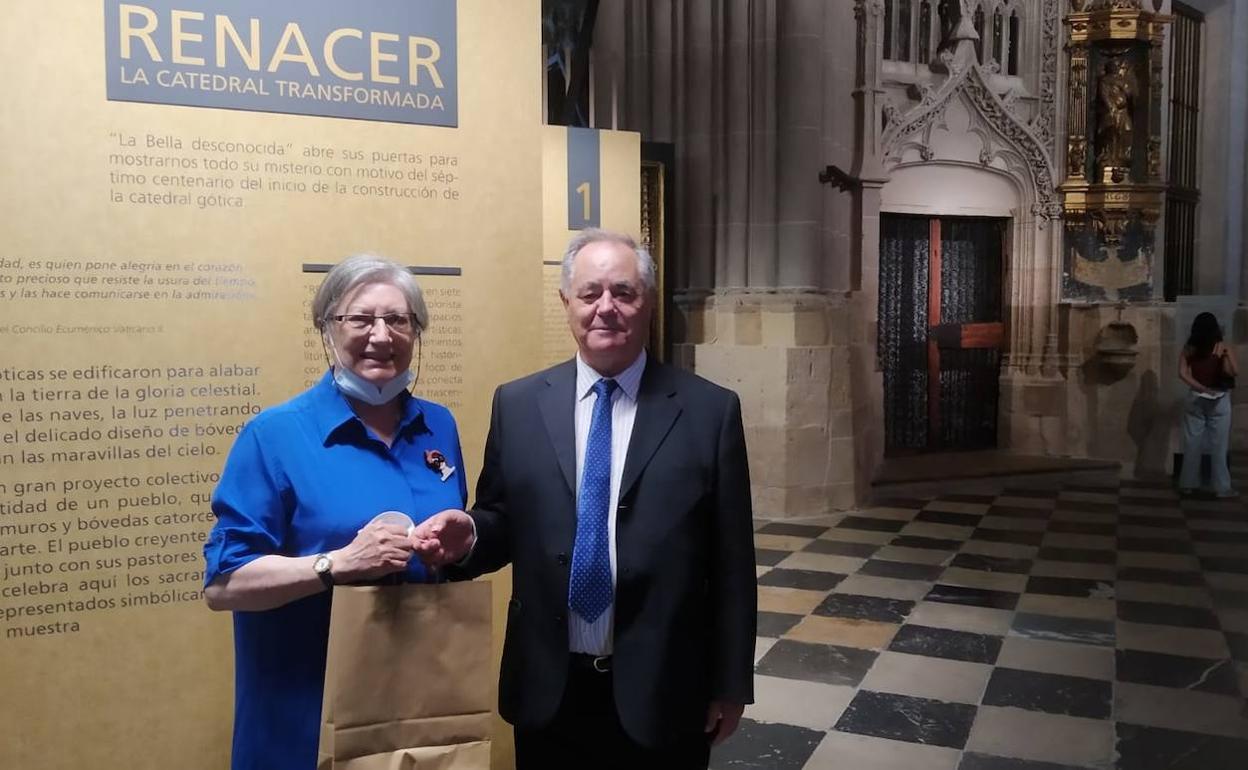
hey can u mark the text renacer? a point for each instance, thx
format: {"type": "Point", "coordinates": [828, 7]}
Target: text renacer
{"type": "Point", "coordinates": [189, 38]}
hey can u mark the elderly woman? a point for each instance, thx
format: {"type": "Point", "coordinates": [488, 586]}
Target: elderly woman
{"type": "Point", "coordinates": [297, 499]}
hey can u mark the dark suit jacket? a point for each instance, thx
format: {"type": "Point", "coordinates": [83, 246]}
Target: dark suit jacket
{"type": "Point", "coordinates": [686, 597]}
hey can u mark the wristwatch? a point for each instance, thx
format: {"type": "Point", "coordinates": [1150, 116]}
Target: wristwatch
{"type": "Point", "coordinates": [323, 567]}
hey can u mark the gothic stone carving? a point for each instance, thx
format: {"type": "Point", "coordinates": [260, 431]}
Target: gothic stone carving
{"type": "Point", "coordinates": [1044, 126]}
{"type": "Point", "coordinates": [993, 112]}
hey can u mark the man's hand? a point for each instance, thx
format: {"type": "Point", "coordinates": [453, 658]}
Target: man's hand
{"type": "Point", "coordinates": [722, 719]}
{"type": "Point", "coordinates": [443, 538]}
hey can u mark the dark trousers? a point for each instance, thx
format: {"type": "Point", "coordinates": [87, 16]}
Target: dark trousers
{"type": "Point", "coordinates": [586, 733]}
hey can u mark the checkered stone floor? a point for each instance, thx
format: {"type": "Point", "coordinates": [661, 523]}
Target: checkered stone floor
{"type": "Point", "coordinates": [1033, 629]}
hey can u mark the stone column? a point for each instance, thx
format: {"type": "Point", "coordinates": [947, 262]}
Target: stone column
{"type": "Point", "coordinates": [1237, 157]}
{"type": "Point", "coordinates": [762, 269]}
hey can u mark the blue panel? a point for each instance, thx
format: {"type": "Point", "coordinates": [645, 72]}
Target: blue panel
{"type": "Point", "coordinates": [391, 60]}
{"type": "Point", "coordinates": [584, 179]}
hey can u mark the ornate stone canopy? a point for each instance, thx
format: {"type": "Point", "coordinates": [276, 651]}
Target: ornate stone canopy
{"type": "Point", "coordinates": [1006, 136]}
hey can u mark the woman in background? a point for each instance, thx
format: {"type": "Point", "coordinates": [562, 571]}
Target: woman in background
{"type": "Point", "coordinates": [297, 500]}
{"type": "Point", "coordinates": [1205, 364]}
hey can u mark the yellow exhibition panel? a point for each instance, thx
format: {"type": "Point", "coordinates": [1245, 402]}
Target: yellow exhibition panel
{"type": "Point", "coordinates": [177, 178]}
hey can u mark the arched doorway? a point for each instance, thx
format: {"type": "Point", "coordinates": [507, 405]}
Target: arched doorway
{"type": "Point", "coordinates": [945, 232]}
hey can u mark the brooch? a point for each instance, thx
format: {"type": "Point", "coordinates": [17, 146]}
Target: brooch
{"type": "Point", "coordinates": [438, 464]}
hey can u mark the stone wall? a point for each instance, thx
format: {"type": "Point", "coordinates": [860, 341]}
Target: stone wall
{"type": "Point", "coordinates": [775, 278]}
{"type": "Point", "coordinates": [1100, 409]}
{"type": "Point", "coordinates": [790, 357]}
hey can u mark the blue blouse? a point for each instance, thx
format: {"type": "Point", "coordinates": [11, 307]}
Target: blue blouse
{"type": "Point", "coordinates": [302, 478]}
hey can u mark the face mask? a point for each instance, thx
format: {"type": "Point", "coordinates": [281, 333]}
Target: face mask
{"type": "Point", "coordinates": [353, 385]}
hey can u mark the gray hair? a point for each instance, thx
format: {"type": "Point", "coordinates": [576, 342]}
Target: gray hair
{"type": "Point", "coordinates": [359, 269]}
{"type": "Point", "coordinates": [645, 263]}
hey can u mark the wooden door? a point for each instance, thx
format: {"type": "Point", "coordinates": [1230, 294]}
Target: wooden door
{"type": "Point", "coordinates": [941, 331]}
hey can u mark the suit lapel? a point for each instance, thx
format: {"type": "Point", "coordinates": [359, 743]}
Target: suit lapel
{"type": "Point", "coordinates": [657, 410]}
{"type": "Point", "coordinates": [558, 403]}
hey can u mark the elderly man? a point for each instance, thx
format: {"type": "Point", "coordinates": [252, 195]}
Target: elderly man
{"type": "Point", "coordinates": [618, 489]}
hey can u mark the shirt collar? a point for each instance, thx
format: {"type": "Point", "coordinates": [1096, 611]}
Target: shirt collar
{"type": "Point", "coordinates": [336, 418]}
{"type": "Point", "coordinates": [629, 380]}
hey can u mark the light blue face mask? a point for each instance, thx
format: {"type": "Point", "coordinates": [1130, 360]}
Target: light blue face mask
{"type": "Point", "coordinates": [354, 386]}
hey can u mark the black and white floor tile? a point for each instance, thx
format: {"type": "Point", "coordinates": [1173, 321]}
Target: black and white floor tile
{"type": "Point", "coordinates": [1073, 626]}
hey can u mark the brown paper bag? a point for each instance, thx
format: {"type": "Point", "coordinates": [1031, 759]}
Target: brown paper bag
{"type": "Point", "coordinates": [408, 678]}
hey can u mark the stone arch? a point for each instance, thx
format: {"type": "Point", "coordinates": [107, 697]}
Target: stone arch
{"type": "Point", "coordinates": [997, 192]}
{"type": "Point", "coordinates": [1031, 167]}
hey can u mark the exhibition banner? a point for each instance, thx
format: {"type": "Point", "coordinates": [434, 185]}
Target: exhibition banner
{"type": "Point", "coordinates": [590, 178]}
{"type": "Point", "coordinates": [157, 257]}
{"type": "Point", "coordinates": [584, 179]}
{"type": "Point", "coordinates": [392, 60]}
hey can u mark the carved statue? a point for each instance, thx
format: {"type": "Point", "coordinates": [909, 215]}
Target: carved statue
{"type": "Point", "coordinates": [1115, 101]}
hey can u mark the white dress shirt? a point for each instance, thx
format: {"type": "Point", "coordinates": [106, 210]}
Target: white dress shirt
{"type": "Point", "coordinates": [595, 638]}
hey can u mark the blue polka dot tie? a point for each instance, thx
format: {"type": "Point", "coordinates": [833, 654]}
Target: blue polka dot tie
{"type": "Point", "coordinates": [590, 591]}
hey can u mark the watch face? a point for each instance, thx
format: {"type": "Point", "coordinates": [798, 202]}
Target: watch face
{"type": "Point", "coordinates": [322, 564]}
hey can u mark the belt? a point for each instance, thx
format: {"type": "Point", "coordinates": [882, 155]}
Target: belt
{"type": "Point", "coordinates": [598, 663]}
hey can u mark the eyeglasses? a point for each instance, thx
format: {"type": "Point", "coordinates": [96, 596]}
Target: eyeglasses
{"type": "Point", "coordinates": [399, 323]}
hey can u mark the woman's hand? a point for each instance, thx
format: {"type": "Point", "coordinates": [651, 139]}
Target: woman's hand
{"type": "Point", "coordinates": [377, 550]}
{"type": "Point", "coordinates": [1229, 365]}
{"type": "Point", "coordinates": [272, 581]}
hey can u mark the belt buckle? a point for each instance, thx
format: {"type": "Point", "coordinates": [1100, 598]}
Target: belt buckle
{"type": "Point", "coordinates": [602, 664]}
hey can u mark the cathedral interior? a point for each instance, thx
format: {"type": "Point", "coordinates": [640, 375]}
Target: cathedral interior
{"type": "Point", "coordinates": [948, 253]}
